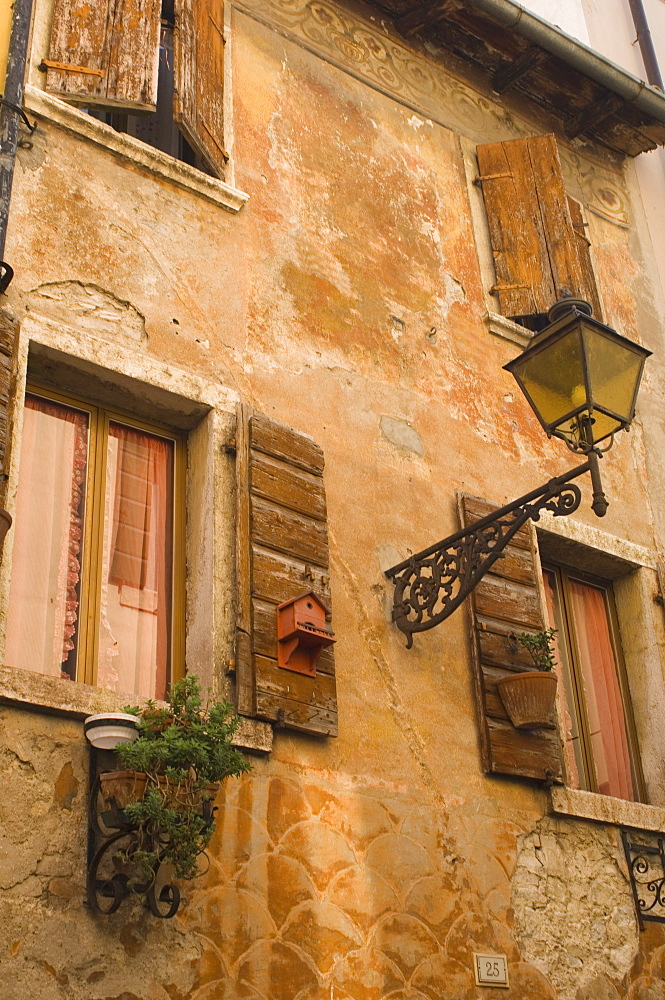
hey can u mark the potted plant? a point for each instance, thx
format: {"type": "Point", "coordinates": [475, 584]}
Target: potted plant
{"type": "Point", "coordinates": [528, 696]}
{"type": "Point", "coordinates": [171, 774]}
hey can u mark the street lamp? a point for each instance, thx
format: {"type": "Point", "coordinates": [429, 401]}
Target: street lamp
{"type": "Point", "coordinates": [581, 379]}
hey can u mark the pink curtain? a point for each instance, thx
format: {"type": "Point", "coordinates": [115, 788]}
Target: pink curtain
{"type": "Point", "coordinates": [603, 699]}
{"type": "Point", "coordinates": [48, 537]}
{"type": "Point", "coordinates": [136, 589]}
{"type": "Point", "coordinates": [571, 744]}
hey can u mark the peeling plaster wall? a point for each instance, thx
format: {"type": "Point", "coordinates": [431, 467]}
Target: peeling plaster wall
{"type": "Point", "coordinates": [572, 916]}
{"type": "Point", "coordinates": [348, 299]}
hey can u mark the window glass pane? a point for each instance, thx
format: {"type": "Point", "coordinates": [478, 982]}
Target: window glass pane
{"type": "Point", "coordinates": [43, 616]}
{"type": "Point", "coordinates": [604, 705]}
{"type": "Point", "coordinates": [136, 589]}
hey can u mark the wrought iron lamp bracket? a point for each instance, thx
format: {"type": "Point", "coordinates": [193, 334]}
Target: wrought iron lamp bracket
{"type": "Point", "coordinates": [431, 584]}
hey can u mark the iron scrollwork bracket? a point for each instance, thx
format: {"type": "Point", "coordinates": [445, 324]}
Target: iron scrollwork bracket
{"type": "Point", "coordinates": [431, 584]}
{"type": "Point", "coordinates": [646, 870]}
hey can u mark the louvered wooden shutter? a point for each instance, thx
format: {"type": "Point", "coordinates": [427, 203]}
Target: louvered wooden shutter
{"type": "Point", "coordinates": [537, 252]}
{"type": "Point", "coordinates": [506, 602]}
{"type": "Point", "coordinates": [282, 551]}
{"type": "Point", "coordinates": [198, 106]}
{"type": "Point", "coordinates": [105, 52]}
{"type": "Point", "coordinates": [9, 331]}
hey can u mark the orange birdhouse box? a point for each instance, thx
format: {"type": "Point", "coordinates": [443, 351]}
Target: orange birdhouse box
{"type": "Point", "coordinates": [302, 633]}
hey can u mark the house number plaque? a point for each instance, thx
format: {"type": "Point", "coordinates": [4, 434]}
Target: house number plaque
{"type": "Point", "coordinates": [490, 970]}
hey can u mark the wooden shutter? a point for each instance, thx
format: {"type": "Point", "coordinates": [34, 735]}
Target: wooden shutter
{"type": "Point", "coordinates": [537, 253]}
{"type": "Point", "coordinates": [198, 104]}
{"type": "Point", "coordinates": [105, 52]}
{"type": "Point", "coordinates": [507, 601]}
{"type": "Point", "coordinates": [282, 551]}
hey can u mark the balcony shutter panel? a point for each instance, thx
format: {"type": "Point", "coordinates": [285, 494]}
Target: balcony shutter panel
{"type": "Point", "coordinates": [105, 52]}
{"type": "Point", "coordinates": [198, 105]}
{"type": "Point", "coordinates": [507, 601]}
{"type": "Point", "coordinates": [537, 253]}
{"type": "Point", "coordinates": [9, 331]}
{"type": "Point", "coordinates": [282, 551]}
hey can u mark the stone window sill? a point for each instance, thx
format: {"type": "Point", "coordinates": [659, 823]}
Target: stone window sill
{"type": "Point", "coordinates": [605, 809]}
{"type": "Point", "coordinates": [153, 161]}
{"type": "Point", "coordinates": [49, 694]}
{"type": "Point", "coordinates": [505, 328]}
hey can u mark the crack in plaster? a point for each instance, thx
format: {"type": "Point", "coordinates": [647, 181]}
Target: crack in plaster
{"type": "Point", "coordinates": [374, 644]}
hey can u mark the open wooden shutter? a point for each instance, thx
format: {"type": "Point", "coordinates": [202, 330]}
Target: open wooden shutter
{"type": "Point", "coordinates": [507, 601]}
{"type": "Point", "coordinates": [282, 550]}
{"type": "Point", "coordinates": [198, 104]}
{"type": "Point", "coordinates": [105, 52]}
{"type": "Point", "coordinates": [538, 254]}
{"type": "Point", "coordinates": [9, 331]}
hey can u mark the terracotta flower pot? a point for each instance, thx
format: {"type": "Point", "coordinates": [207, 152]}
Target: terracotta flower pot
{"type": "Point", "coordinates": [528, 698]}
{"type": "Point", "coordinates": [130, 786]}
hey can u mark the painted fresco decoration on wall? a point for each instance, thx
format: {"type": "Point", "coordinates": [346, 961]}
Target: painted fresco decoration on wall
{"type": "Point", "coordinates": [380, 60]}
{"type": "Point", "coordinates": [600, 188]}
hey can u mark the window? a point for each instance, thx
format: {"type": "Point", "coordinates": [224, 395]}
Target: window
{"type": "Point", "coordinates": [157, 75]}
{"type": "Point", "coordinates": [98, 570]}
{"type": "Point", "coordinates": [537, 232]}
{"type": "Point", "coordinates": [599, 734]}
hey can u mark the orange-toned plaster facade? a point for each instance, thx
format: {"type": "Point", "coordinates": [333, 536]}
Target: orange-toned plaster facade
{"type": "Point", "coordinates": [347, 296]}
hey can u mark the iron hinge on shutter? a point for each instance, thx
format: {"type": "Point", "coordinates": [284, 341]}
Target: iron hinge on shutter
{"type": "Point", "coordinates": [478, 181]}
{"type": "Point", "coordinates": [47, 64]}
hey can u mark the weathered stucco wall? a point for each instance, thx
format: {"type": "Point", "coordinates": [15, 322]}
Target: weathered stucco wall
{"type": "Point", "coordinates": [347, 299]}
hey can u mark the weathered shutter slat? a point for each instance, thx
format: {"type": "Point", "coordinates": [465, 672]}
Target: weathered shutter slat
{"type": "Point", "coordinates": [9, 331]}
{"type": "Point", "coordinates": [516, 229]}
{"type": "Point", "coordinates": [282, 551]}
{"type": "Point", "coordinates": [537, 253]}
{"type": "Point", "coordinates": [117, 38]}
{"type": "Point", "coordinates": [507, 601]}
{"type": "Point", "coordinates": [584, 254]}
{"type": "Point", "coordinates": [198, 106]}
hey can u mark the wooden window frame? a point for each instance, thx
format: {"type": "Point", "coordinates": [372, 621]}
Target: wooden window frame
{"type": "Point", "coordinates": [93, 530]}
{"type": "Point", "coordinates": [563, 575]}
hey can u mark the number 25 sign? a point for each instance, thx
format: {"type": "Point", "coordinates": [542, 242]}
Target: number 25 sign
{"type": "Point", "coordinates": [491, 970]}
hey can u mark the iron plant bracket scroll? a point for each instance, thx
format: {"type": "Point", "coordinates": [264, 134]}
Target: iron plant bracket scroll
{"type": "Point", "coordinates": [115, 848]}
{"type": "Point", "coordinates": [646, 869]}
{"type": "Point", "coordinates": [431, 584]}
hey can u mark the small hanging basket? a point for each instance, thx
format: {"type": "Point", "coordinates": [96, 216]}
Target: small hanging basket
{"type": "Point", "coordinates": [126, 787]}
{"type": "Point", "coordinates": [528, 698]}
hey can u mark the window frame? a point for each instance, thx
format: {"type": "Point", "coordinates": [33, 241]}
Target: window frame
{"type": "Point", "coordinates": [100, 416]}
{"type": "Point", "coordinates": [564, 574]}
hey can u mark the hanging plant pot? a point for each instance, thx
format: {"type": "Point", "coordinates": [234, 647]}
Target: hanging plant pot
{"type": "Point", "coordinates": [528, 698]}
{"type": "Point", "coordinates": [126, 787]}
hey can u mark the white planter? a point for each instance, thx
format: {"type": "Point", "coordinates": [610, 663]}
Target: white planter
{"type": "Point", "coordinates": [108, 729]}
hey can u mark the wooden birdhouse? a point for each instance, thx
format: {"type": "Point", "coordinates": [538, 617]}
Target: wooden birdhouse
{"type": "Point", "coordinates": [302, 633]}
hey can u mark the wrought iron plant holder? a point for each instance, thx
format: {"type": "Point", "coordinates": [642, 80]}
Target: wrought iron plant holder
{"type": "Point", "coordinates": [115, 845]}
{"type": "Point", "coordinates": [646, 869]}
{"type": "Point", "coordinates": [431, 584]}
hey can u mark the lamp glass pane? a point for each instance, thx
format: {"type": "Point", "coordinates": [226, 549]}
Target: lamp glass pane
{"type": "Point", "coordinates": [614, 372]}
{"type": "Point", "coordinates": [553, 378]}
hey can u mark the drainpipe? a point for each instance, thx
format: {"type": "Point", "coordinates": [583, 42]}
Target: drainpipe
{"type": "Point", "coordinates": [646, 44]}
{"type": "Point", "coordinates": [11, 110]}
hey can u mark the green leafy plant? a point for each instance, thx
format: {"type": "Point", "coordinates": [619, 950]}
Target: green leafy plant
{"type": "Point", "coordinates": [184, 749]}
{"type": "Point", "coordinates": [541, 647]}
